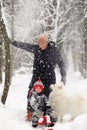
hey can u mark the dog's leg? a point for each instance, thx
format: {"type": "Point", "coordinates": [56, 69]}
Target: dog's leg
{"type": "Point", "coordinates": [59, 117]}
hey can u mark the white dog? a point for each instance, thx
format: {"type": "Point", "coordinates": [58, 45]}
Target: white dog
{"type": "Point", "coordinates": [65, 102]}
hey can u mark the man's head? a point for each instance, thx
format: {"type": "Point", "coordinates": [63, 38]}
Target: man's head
{"type": "Point", "coordinates": [43, 41]}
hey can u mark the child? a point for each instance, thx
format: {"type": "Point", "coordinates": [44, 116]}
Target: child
{"type": "Point", "coordinates": [40, 104]}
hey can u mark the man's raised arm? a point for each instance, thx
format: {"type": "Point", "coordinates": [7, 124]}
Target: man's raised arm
{"type": "Point", "coordinates": [26, 46]}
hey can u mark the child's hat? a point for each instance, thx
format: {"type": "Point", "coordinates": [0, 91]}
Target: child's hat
{"type": "Point", "coordinates": [38, 84]}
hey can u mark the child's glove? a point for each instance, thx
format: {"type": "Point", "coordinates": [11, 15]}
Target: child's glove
{"type": "Point", "coordinates": [47, 107]}
{"type": "Point", "coordinates": [44, 108]}
{"type": "Point", "coordinates": [40, 108]}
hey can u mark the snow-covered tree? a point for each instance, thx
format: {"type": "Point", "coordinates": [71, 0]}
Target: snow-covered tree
{"type": "Point", "coordinates": [70, 28]}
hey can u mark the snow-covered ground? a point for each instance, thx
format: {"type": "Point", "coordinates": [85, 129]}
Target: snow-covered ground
{"type": "Point", "coordinates": [12, 115]}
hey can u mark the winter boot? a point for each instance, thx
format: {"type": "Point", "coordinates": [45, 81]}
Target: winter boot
{"type": "Point", "coordinates": [34, 124]}
{"type": "Point", "coordinates": [29, 116]}
{"type": "Point", "coordinates": [53, 118]}
{"type": "Point", "coordinates": [34, 121]}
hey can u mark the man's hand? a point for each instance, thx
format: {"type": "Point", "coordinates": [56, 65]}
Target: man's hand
{"type": "Point", "coordinates": [63, 79]}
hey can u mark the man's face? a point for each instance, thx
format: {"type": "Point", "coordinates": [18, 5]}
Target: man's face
{"type": "Point", "coordinates": [43, 42]}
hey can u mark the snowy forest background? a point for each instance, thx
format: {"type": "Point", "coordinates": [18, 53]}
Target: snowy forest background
{"type": "Point", "coordinates": [64, 21]}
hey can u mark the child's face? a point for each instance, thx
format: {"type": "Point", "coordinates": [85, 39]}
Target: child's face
{"type": "Point", "coordinates": [38, 90]}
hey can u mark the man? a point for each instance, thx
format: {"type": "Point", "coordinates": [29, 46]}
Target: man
{"type": "Point", "coordinates": [46, 56]}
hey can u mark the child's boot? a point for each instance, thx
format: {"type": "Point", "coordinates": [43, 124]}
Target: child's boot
{"type": "Point", "coordinates": [29, 116]}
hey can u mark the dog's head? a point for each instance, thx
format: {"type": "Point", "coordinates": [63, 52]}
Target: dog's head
{"type": "Point", "coordinates": [57, 88]}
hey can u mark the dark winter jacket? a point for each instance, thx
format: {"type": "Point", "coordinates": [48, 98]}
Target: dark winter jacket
{"type": "Point", "coordinates": [44, 63]}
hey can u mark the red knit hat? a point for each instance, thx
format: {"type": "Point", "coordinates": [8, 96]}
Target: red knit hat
{"type": "Point", "coordinates": [38, 84]}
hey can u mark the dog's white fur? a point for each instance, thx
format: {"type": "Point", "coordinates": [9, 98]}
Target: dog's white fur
{"type": "Point", "coordinates": [65, 102]}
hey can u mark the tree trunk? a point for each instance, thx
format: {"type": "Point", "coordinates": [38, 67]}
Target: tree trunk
{"type": "Point", "coordinates": [7, 62]}
{"type": "Point", "coordinates": [0, 50]}
{"type": "Point", "coordinates": [12, 37]}
{"type": "Point", "coordinates": [0, 59]}
{"type": "Point", "coordinates": [7, 71]}
{"type": "Point", "coordinates": [84, 63]}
